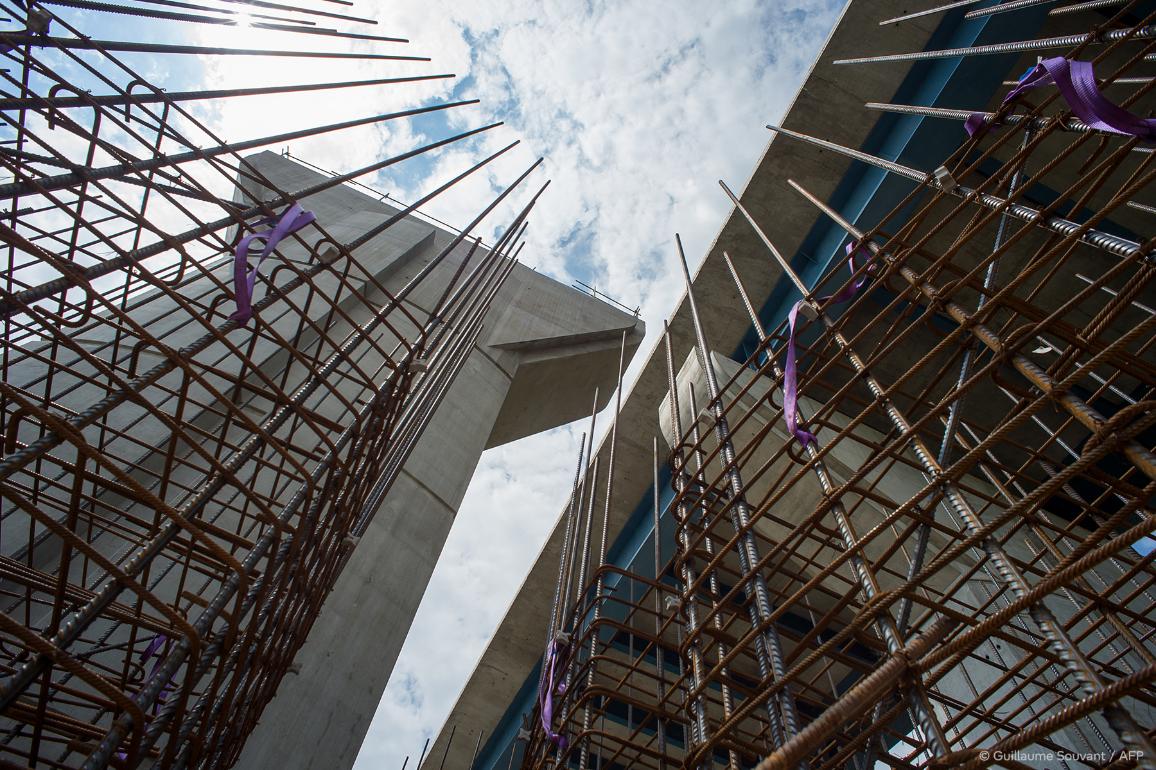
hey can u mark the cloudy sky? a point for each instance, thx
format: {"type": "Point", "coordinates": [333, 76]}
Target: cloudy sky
{"type": "Point", "coordinates": [638, 107]}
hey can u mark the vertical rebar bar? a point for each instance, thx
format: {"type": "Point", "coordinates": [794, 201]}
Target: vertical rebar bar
{"type": "Point", "coordinates": [768, 645]}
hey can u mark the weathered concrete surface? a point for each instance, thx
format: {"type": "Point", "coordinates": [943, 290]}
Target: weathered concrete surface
{"type": "Point", "coordinates": [512, 385]}
{"type": "Point", "coordinates": [821, 107]}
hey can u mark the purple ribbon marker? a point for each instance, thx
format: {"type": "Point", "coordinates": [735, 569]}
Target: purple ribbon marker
{"type": "Point", "coordinates": [149, 651]}
{"type": "Point", "coordinates": [1076, 82]}
{"type": "Point", "coordinates": [791, 370]}
{"type": "Point", "coordinates": [153, 649]}
{"type": "Point", "coordinates": [546, 696]}
{"type": "Point", "coordinates": [244, 278]}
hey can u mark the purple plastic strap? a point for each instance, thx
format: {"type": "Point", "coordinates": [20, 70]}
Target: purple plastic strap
{"type": "Point", "coordinates": [1076, 81]}
{"type": "Point", "coordinates": [149, 651]}
{"type": "Point", "coordinates": [244, 278]}
{"type": "Point", "coordinates": [546, 695]}
{"type": "Point", "coordinates": [153, 648]}
{"type": "Point", "coordinates": [791, 370]}
{"type": "Point", "coordinates": [791, 383]}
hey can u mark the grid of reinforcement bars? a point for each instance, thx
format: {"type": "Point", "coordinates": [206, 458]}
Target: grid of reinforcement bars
{"type": "Point", "coordinates": [179, 489]}
{"type": "Point", "coordinates": [958, 573]}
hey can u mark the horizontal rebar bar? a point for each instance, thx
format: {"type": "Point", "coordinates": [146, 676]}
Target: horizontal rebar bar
{"type": "Point", "coordinates": [929, 11]}
{"type": "Point", "coordinates": [1011, 5]}
{"type": "Point", "coordinates": [1091, 5]}
{"type": "Point", "coordinates": [1041, 44]}
{"type": "Point", "coordinates": [18, 39]}
{"type": "Point", "coordinates": [164, 97]}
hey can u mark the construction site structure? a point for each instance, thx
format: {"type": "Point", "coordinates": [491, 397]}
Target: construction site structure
{"type": "Point", "coordinates": [242, 398]}
{"type": "Point", "coordinates": [882, 494]}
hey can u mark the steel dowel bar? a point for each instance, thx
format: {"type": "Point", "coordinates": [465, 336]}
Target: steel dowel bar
{"type": "Point", "coordinates": [1013, 5]}
{"type": "Point", "coordinates": [1071, 124]}
{"type": "Point", "coordinates": [1120, 81]}
{"type": "Point", "coordinates": [696, 705]}
{"type": "Point", "coordinates": [119, 100]}
{"type": "Point", "coordinates": [16, 39]}
{"type": "Point", "coordinates": [1120, 247]}
{"type": "Point", "coordinates": [228, 21]}
{"type": "Point", "coordinates": [421, 274]}
{"type": "Point", "coordinates": [233, 14]}
{"type": "Point", "coordinates": [170, 189]}
{"type": "Point", "coordinates": [564, 615]}
{"type": "Point", "coordinates": [1092, 5]}
{"type": "Point", "coordinates": [279, 7]}
{"type": "Point", "coordinates": [270, 6]}
{"type": "Point", "coordinates": [554, 628]}
{"type": "Point", "coordinates": [599, 583]}
{"type": "Point", "coordinates": [578, 610]}
{"type": "Point", "coordinates": [63, 181]}
{"type": "Point", "coordinates": [1042, 44]}
{"type": "Point", "coordinates": [659, 649]}
{"type": "Point", "coordinates": [308, 11]}
{"type": "Point", "coordinates": [564, 554]}
{"type": "Point", "coordinates": [928, 12]}
{"type": "Point", "coordinates": [9, 307]}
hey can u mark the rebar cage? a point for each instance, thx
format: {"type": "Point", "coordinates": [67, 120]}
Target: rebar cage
{"type": "Point", "coordinates": [181, 486]}
{"type": "Point", "coordinates": [958, 571]}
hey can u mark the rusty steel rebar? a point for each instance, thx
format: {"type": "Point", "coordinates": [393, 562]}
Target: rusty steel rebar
{"type": "Point", "coordinates": [180, 489]}
{"type": "Point", "coordinates": [960, 568]}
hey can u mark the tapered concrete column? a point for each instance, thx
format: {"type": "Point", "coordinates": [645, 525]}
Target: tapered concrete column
{"type": "Point", "coordinates": [543, 350]}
